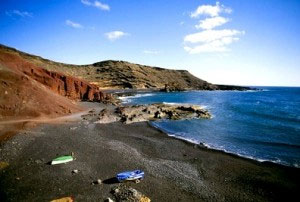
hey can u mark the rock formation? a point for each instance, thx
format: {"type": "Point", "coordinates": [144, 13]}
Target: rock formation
{"type": "Point", "coordinates": [153, 112]}
{"type": "Point", "coordinates": [28, 90]}
{"type": "Point", "coordinates": [172, 87]}
{"type": "Point", "coordinates": [68, 86]}
{"type": "Point", "coordinates": [125, 193]}
{"type": "Point", "coordinates": [231, 87]}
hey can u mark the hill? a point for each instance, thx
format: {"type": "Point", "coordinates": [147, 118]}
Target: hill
{"type": "Point", "coordinates": [121, 75]}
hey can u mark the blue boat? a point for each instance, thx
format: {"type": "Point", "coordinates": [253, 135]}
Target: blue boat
{"type": "Point", "coordinates": [135, 175]}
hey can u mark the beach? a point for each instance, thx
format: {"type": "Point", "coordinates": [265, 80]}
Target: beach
{"type": "Point", "coordinates": [175, 170]}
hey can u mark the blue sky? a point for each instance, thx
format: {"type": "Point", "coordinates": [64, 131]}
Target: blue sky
{"type": "Point", "coordinates": [227, 42]}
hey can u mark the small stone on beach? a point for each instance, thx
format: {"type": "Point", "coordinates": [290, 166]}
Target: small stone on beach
{"type": "Point", "coordinates": [38, 161]}
{"type": "Point", "coordinates": [109, 200]}
{"type": "Point", "coordinates": [97, 182]}
{"type": "Point", "coordinates": [3, 165]}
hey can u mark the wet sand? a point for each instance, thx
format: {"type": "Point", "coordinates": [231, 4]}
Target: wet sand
{"type": "Point", "coordinates": [175, 170]}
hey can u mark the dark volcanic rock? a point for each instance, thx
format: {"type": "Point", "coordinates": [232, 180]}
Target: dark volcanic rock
{"type": "Point", "coordinates": [123, 193]}
{"type": "Point", "coordinates": [231, 87]}
{"type": "Point", "coordinates": [140, 113]}
{"type": "Point", "coordinates": [172, 87]}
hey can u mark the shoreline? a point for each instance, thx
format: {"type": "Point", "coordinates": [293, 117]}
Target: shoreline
{"type": "Point", "coordinates": [175, 169]}
{"type": "Point", "coordinates": [131, 94]}
{"type": "Point", "coordinates": [23, 124]}
{"type": "Point", "coordinates": [203, 146]}
{"type": "Point", "coordinates": [234, 155]}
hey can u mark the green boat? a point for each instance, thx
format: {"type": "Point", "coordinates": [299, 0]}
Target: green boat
{"type": "Point", "coordinates": [62, 159]}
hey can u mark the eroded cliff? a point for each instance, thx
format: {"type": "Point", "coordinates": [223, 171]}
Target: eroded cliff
{"type": "Point", "coordinates": [28, 90]}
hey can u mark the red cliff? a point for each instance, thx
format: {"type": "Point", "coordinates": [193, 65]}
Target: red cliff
{"type": "Point", "coordinates": [27, 90]}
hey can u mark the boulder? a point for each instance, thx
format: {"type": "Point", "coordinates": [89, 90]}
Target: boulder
{"type": "Point", "coordinates": [126, 194]}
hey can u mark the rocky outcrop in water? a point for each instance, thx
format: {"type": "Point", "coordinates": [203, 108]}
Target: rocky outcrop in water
{"type": "Point", "coordinates": [153, 112]}
{"type": "Point", "coordinates": [231, 87]}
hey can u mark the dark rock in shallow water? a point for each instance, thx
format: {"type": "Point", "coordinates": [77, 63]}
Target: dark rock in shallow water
{"type": "Point", "coordinates": [140, 113]}
{"type": "Point", "coordinates": [231, 87]}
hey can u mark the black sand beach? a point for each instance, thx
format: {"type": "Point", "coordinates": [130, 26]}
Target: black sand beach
{"type": "Point", "coordinates": [175, 170]}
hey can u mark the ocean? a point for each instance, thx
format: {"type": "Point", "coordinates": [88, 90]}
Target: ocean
{"type": "Point", "coordinates": [261, 125]}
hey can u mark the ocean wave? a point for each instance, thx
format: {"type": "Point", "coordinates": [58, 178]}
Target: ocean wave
{"type": "Point", "coordinates": [277, 161]}
{"type": "Point", "coordinates": [136, 96]}
{"type": "Point", "coordinates": [128, 99]}
{"type": "Point", "coordinates": [279, 144]}
{"type": "Point", "coordinates": [142, 95]}
{"type": "Point", "coordinates": [297, 165]}
{"type": "Point", "coordinates": [125, 99]}
{"type": "Point", "coordinates": [172, 103]}
{"type": "Point", "coordinates": [191, 140]}
{"type": "Point", "coordinates": [182, 136]}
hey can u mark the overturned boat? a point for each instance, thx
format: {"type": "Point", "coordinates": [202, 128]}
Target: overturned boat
{"type": "Point", "coordinates": [135, 175]}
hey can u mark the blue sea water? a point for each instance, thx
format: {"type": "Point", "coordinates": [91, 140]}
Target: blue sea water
{"type": "Point", "coordinates": [261, 125]}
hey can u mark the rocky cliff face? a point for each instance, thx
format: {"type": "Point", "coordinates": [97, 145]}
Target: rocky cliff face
{"type": "Point", "coordinates": [68, 86]}
{"type": "Point", "coordinates": [27, 90]}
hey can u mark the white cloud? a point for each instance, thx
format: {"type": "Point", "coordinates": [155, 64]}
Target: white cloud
{"type": "Point", "coordinates": [151, 52]}
{"type": "Point", "coordinates": [73, 24]}
{"type": "Point", "coordinates": [86, 2]}
{"type": "Point", "coordinates": [210, 40]}
{"type": "Point", "coordinates": [219, 45]}
{"type": "Point", "coordinates": [101, 6]}
{"type": "Point", "coordinates": [115, 35]}
{"type": "Point", "coordinates": [211, 35]}
{"type": "Point", "coordinates": [210, 10]}
{"type": "Point", "coordinates": [19, 13]}
{"type": "Point", "coordinates": [96, 4]}
{"type": "Point", "coordinates": [210, 23]}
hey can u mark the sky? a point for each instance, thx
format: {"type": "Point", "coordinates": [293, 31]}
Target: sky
{"type": "Point", "coordinates": [239, 42]}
